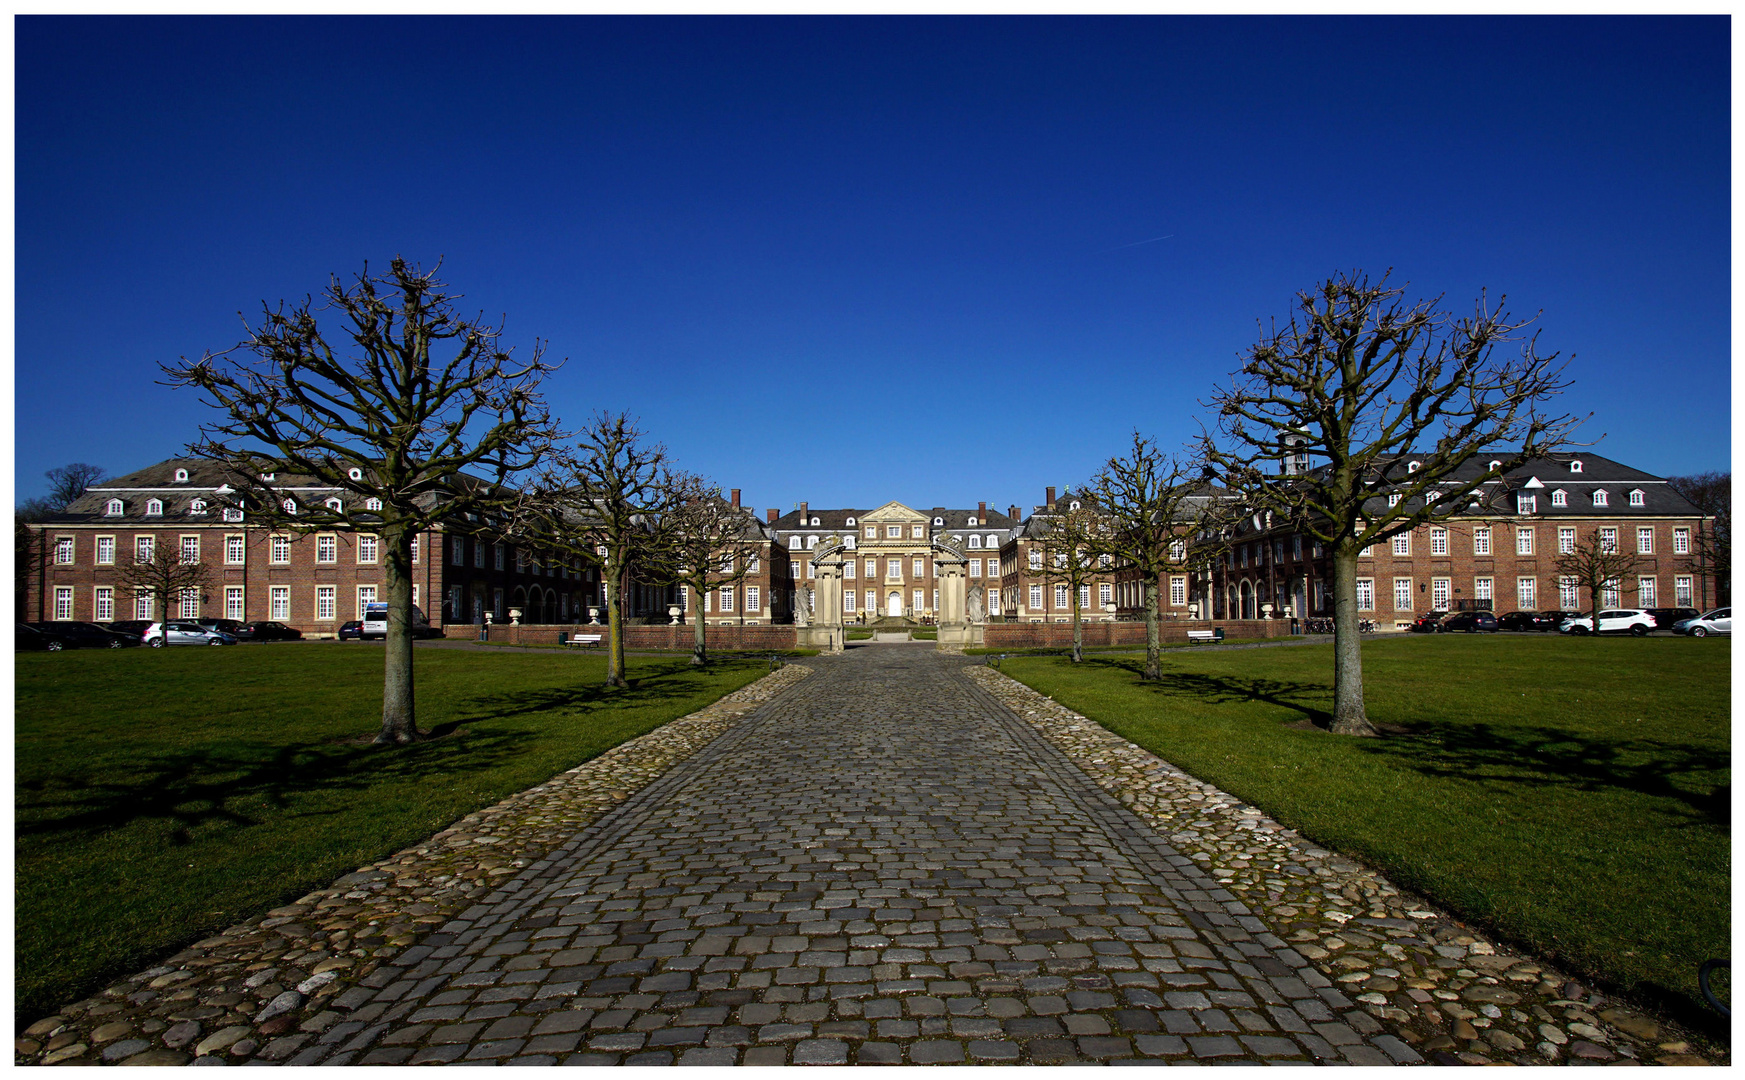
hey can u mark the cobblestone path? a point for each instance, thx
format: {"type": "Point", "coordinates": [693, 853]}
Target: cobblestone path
{"type": "Point", "coordinates": [883, 866]}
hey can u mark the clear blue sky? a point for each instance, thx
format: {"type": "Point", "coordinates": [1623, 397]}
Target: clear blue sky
{"type": "Point", "coordinates": [851, 260]}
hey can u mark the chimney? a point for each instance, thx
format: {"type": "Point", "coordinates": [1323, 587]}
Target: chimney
{"type": "Point", "coordinates": [1051, 498]}
{"type": "Point", "coordinates": [981, 513]}
{"type": "Point", "coordinates": [772, 515]}
{"type": "Point", "coordinates": [1012, 512]}
{"type": "Point", "coordinates": [735, 498]}
{"type": "Point", "coordinates": [803, 518]}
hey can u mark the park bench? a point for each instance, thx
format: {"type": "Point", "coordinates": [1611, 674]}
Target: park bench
{"type": "Point", "coordinates": [585, 640]}
{"type": "Point", "coordinates": [1206, 637]}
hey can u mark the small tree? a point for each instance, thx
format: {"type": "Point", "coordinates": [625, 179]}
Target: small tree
{"type": "Point", "coordinates": [1596, 564]}
{"type": "Point", "coordinates": [1712, 493]}
{"type": "Point", "coordinates": [162, 571]}
{"type": "Point", "coordinates": [1362, 397]}
{"type": "Point", "coordinates": [608, 501]}
{"type": "Point", "coordinates": [711, 544]}
{"type": "Point", "coordinates": [409, 437]}
{"type": "Point", "coordinates": [1074, 542]}
{"type": "Point", "coordinates": [1155, 504]}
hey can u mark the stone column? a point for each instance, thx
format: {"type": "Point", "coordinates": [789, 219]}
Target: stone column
{"type": "Point", "coordinates": [955, 629]}
{"type": "Point", "coordinates": [825, 632]}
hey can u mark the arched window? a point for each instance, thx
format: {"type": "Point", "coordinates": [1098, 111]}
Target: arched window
{"type": "Point", "coordinates": [1074, 505]}
{"type": "Point", "coordinates": [850, 521]}
{"type": "Point", "coordinates": [114, 509]}
{"type": "Point", "coordinates": [1575, 465]}
{"type": "Point", "coordinates": [268, 476]}
{"type": "Point", "coordinates": [197, 507]}
{"type": "Point", "coordinates": [1494, 466]}
{"type": "Point", "coordinates": [972, 521]}
{"type": "Point", "coordinates": [1413, 466]}
{"type": "Point", "coordinates": [814, 523]}
{"type": "Point", "coordinates": [356, 474]}
{"type": "Point", "coordinates": [181, 476]}
{"type": "Point", "coordinates": [335, 504]}
{"type": "Point", "coordinates": [154, 507]}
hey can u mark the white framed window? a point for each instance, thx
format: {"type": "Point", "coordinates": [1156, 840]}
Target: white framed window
{"type": "Point", "coordinates": [366, 595]}
{"type": "Point", "coordinates": [63, 602]}
{"type": "Point", "coordinates": [233, 602]}
{"type": "Point", "coordinates": [1438, 541]}
{"type": "Point", "coordinates": [1178, 591]}
{"type": "Point", "coordinates": [1394, 499]}
{"type": "Point", "coordinates": [920, 568]}
{"type": "Point", "coordinates": [114, 508]}
{"type": "Point", "coordinates": [106, 551]}
{"type": "Point", "coordinates": [1402, 594]}
{"type": "Point", "coordinates": [1481, 540]}
{"type": "Point", "coordinates": [1575, 466]}
{"type": "Point", "coordinates": [1566, 540]}
{"type": "Point", "coordinates": [279, 602]}
{"type": "Point", "coordinates": [1526, 504]}
{"type": "Point", "coordinates": [143, 548]}
{"type": "Point", "coordinates": [1105, 594]}
{"type": "Point", "coordinates": [458, 556]}
{"type": "Point", "coordinates": [154, 508]}
{"type": "Point", "coordinates": [1681, 541]}
{"type": "Point", "coordinates": [796, 542]}
{"type": "Point", "coordinates": [232, 514]}
{"type": "Point", "coordinates": [1609, 542]}
{"type": "Point", "coordinates": [1560, 497]}
{"type": "Point", "coordinates": [1035, 560]}
{"type": "Point", "coordinates": [190, 603]}
{"type": "Point", "coordinates": [372, 503]}
{"type": "Point", "coordinates": [1568, 595]}
{"type": "Point", "coordinates": [975, 541]}
{"type": "Point", "coordinates": [754, 599]}
{"type": "Point", "coordinates": [327, 548]}
{"type": "Point", "coordinates": [1060, 597]}
{"type": "Point", "coordinates": [356, 473]}
{"type": "Point", "coordinates": [872, 600]}
{"type": "Point", "coordinates": [848, 597]}
{"type": "Point", "coordinates": [1681, 589]}
{"type": "Point", "coordinates": [1526, 594]}
{"type": "Point", "coordinates": [235, 549]}
{"type": "Point", "coordinates": [848, 568]}
{"type": "Point", "coordinates": [872, 532]}
{"type": "Point", "coordinates": [497, 556]}
{"type": "Point", "coordinates": [1638, 497]}
{"type": "Point", "coordinates": [479, 556]}
{"type": "Point", "coordinates": [1403, 545]}
{"type": "Point", "coordinates": [811, 543]}
{"type": "Point", "coordinates": [1524, 541]}
{"type": "Point", "coordinates": [915, 602]}
{"type": "Point", "coordinates": [1644, 541]}
{"type": "Point", "coordinates": [1600, 498]}
{"type": "Point", "coordinates": [811, 570]}
{"type": "Point", "coordinates": [454, 603]}
{"type": "Point", "coordinates": [1646, 592]}
{"type": "Point", "coordinates": [190, 550]}
{"type": "Point", "coordinates": [1178, 550]}
{"type": "Point", "coordinates": [143, 605]}
{"type": "Point", "coordinates": [1368, 552]}
{"type": "Point", "coordinates": [290, 506]}
{"type": "Point", "coordinates": [1365, 594]}
{"type": "Point", "coordinates": [1609, 593]}
{"type": "Point", "coordinates": [64, 550]}
{"type": "Point", "coordinates": [1440, 590]}
{"type": "Point", "coordinates": [336, 505]}
{"type": "Point", "coordinates": [325, 602]}
{"type": "Point", "coordinates": [975, 568]}
{"type": "Point", "coordinates": [1483, 588]}
{"type": "Point", "coordinates": [993, 542]}
{"type": "Point", "coordinates": [368, 548]}
{"type": "Point", "coordinates": [726, 599]}
{"type": "Point", "coordinates": [1084, 597]}
{"type": "Point", "coordinates": [1035, 598]}
{"type": "Point", "coordinates": [709, 601]}
{"type": "Point", "coordinates": [917, 532]}
{"type": "Point", "coordinates": [935, 600]}
{"type": "Point", "coordinates": [279, 550]}
{"type": "Point", "coordinates": [103, 603]}
{"type": "Point", "coordinates": [893, 532]}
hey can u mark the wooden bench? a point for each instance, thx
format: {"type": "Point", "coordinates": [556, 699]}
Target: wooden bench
{"type": "Point", "coordinates": [585, 640]}
{"type": "Point", "coordinates": [1206, 637]}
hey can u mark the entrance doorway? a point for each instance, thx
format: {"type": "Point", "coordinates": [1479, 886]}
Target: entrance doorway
{"type": "Point", "coordinates": [894, 606]}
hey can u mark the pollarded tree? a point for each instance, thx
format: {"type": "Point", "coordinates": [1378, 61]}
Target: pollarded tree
{"type": "Point", "coordinates": [1597, 564]}
{"type": "Point", "coordinates": [415, 413]}
{"type": "Point", "coordinates": [168, 573]}
{"type": "Point", "coordinates": [710, 544]}
{"type": "Point", "coordinates": [1353, 420]}
{"type": "Point", "coordinates": [1073, 539]}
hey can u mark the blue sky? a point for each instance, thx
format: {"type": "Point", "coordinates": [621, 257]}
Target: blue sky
{"type": "Point", "coordinates": [852, 260]}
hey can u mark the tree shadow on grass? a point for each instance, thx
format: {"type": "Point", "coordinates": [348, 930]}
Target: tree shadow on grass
{"type": "Point", "coordinates": [1303, 698]}
{"type": "Point", "coordinates": [662, 684]}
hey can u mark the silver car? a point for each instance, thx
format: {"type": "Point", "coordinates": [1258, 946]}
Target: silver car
{"type": "Point", "coordinates": [184, 632]}
{"type": "Point", "coordinates": [1718, 621]}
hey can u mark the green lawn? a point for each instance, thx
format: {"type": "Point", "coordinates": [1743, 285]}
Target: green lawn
{"type": "Point", "coordinates": [163, 795]}
{"type": "Point", "coordinates": [1572, 795]}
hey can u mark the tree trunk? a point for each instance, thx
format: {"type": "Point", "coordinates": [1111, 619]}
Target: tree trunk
{"type": "Point", "coordinates": [700, 646]}
{"type": "Point", "coordinates": [399, 719]}
{"type": "Point", "coordinates": [1153, 644]}
{"type": "Point", "coordinates": [615, 620]}
{"type": "Point", "coordinates": [1349, 716]}
{"type": "Point", "coordinates": [1078, 634]}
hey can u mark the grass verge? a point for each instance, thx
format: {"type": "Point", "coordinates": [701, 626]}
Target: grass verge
{"type": "Point", "coordinates": [1571, 795]}
{"type": "Point", "coordinates": [162, 796]}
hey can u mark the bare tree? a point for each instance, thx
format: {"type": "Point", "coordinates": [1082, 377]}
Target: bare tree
{"type": "Point", "coordinates": [409, 437]}
{"type": "Point", "coordinates": [1598, 565]}
{"type": "Point", "coordinates": [711, 544]}
{"type": "Point", "coordinates": [1155, 505]}
{"type": "Point", "coordinates": [608, 501]}
{"type": "Point", "coordinates": [167, 573]}
{"type": "Point", "coordinates": [1074, 542]}
{"type": "Point", "coordinates": [1712, 493]}
{"type": "Point", "coordinates": [29, 550]}
{"type": "Point", "coordinates": [1362, 397]}
{"type": "Point", "coordinates": [70, 481]}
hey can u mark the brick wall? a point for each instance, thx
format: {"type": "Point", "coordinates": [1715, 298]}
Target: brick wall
{"type": "Point", "coordinates": [1059, 635]}
{"type": "Point", "coordinates": [656, 638]}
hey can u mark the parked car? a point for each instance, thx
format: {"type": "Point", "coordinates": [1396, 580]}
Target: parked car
{"type": "Point", "coordinates": [134, 628]}
{"type": "Point", "coordinates": [1470, 622]}
{"type": "Point", "coordinates": [352, 631]}
{"type": "Point", "coordinates": [84, 635]}
{"type": "Point", "coordinates": [1718, 621]}
{"type": "Point", "coordinates": [223, 626]}
{"type": "Point", "coordinates": [1427, 623]}
{"type": "Point", "coordinates": [1616, 621]}
{"type": "Point", "coordinates": [264, 630]}
{"type": "Point", "coordinates": [30, 639]}
{"type": "Point", "coordinates": [1667, 617]}
{"type": "Point", "coordinates": [1541, 621]}
{"type": "Point", "coordinates": [185, 632]}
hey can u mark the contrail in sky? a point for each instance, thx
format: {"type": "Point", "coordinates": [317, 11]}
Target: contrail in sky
{"type": "Point", "coordinates": [1136, 243]}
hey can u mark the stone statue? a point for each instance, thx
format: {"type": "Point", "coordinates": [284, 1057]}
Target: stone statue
{"type": "Point", "coordinates": [803, 607]}
{"type": "Point", "coordinates": [975, 604]}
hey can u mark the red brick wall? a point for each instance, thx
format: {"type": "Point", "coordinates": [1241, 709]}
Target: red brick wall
{"type": "Point", "coordinates": [1059, 635]}
{"type": "Point", "coordinates": [661, 638]}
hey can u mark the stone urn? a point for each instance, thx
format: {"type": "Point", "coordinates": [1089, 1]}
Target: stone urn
{"type": "Point", "coordinates": [593, 616]}
{"type": "Point", "coordinates": [672, 611]}
{"type": "Point", "coordinates": [514, 616]}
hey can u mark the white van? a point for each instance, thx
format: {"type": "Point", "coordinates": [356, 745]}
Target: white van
{"type": "Point", "coordinates": [376, 622]}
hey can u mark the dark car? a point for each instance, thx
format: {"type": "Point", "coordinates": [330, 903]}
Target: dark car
{"type": "Point", "coordinates": [30, 639]}
{"type": "Point", "coordinates": [352, 631]}
{"type": "Point", "coordinates": [131, 627]}
{"type": "Point", "coordinates": [263, 630]}
{"type": "Point", "coordinates": [1427, 623]}
{"type": "Point", "coordinates": [84, 635]}
{"type": "Point", "coordinates": [1469, 622]}
{"type": "Point", "coordinates": [1665, 617]}
{"type": "Point", "coordinates": [223, 626]}
{"type": "Point", "coordinates": [1540, 621]}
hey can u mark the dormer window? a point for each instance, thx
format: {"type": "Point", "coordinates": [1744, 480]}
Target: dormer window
{"type": "Point", "coordinates": [814, 523]}
{"type": "Point", "coordinates": [267, 476]}
{"type": "Point", "coordinates": [1575, 465]}
{"type": "Point", "coordinates": [290, 506]}
{"type": "Point", "coordinates": [993, 541]}
{"type": "Point", "coordinates": [850, 522]}
{"type": "Point", "coordinates": [975, 541]}
{"type": "Point", "coordinates": [197, 507]}
{"type": "Point", "coordinates": [181, 476]}
{"type": "Point", "coordinates": [335, 504]}
{"type": "Point", "coordinates": [1526, 504]}
{"type": "Point", "coordinates": [811, 543]}
{"type": "Point", "coordinates": [972, 521]}
{"type": "Point", "coordinates": [114, 509]}
{"type": "Point", "coordinates": [1638, 497]}
{"type": "Point", "coordinates": [356, 474]}
{"type": "Point", "coordinates": [232, 514]}
{"type": "Point", "coordinates": [1394, 499]}
{"type": "Point", "coordinates": [1494, 466]}
{"type": "Point", "coordinates": [372, 503]}
{"type": "Point", "coordinates": [939, 521]}
{"type": "Point", "coordinates": [154, 508]}
{"type": "Point", "coordinates": [1413, 466]}
{"type": "Point", "coordinates": [1600, 498]}
{"type": "Point", "coordinates": [1074, 505]}
{"type": "Point", "coordinates": [1560, 497]}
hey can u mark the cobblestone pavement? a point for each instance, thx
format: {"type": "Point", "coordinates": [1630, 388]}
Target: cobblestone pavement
{"type": "Point", "coordinates": [883, 866]}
